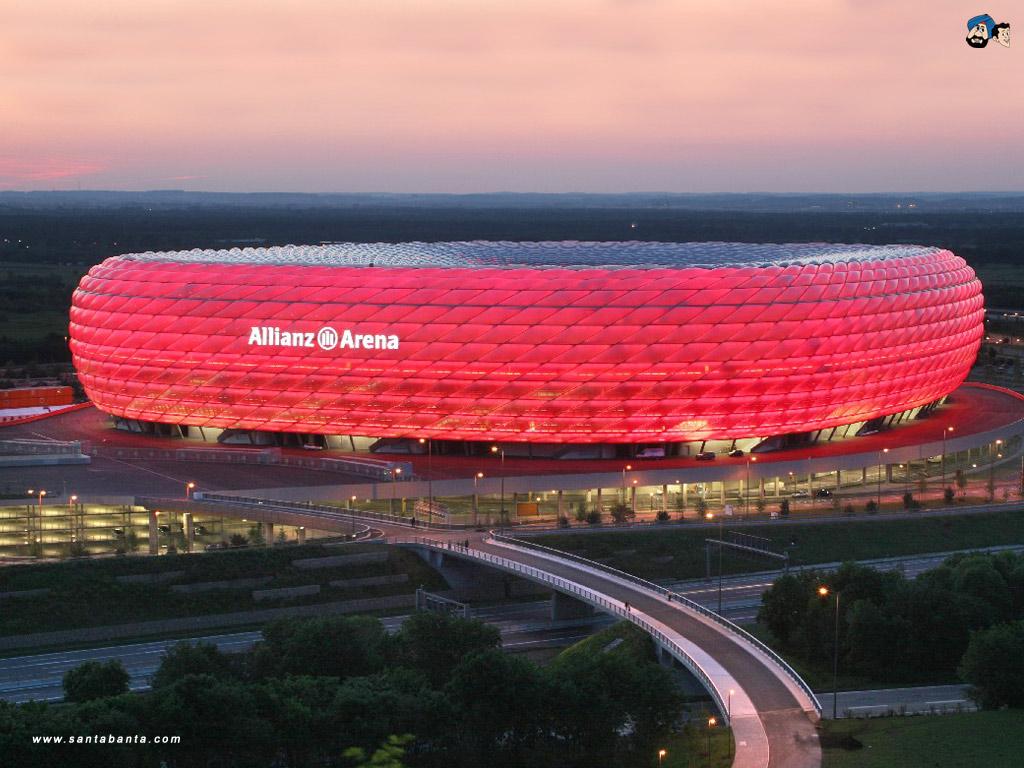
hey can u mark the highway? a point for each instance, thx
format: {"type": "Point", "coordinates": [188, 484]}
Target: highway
{"type": "Point", "coordinates": [523, 626]}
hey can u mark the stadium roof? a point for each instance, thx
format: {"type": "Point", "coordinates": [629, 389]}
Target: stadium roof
{"type": "Point", "coordinates": [546, 255]}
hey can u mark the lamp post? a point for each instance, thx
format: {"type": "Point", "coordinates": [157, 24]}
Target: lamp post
{"type": "Point", "coordinates": [189, 487]}
{"type": "Point", "coordinates": [624, 470]}
{"type": "Point", "coordinates": [352, 513]}
{"type": "Point", "coordinates": [991, 471]}
{"type": "Point", "coordinates": [944, 431]}
{"type": "Point", "coordinates": [430, 476]}
{"type": "Point", "coordinates": [476, 498]}
{"type": "Point", "coordinates": [721, 522]}
{"type": "Point", "coordinates": [661, 757]}
{"type": "Point", "coordinates": [39, 511]}
{"type": "Point", "coordinates": [880, 470]}
{"type": "Point", "coordinates": [824, 591]}
{"type": "Point", "coordinates": [711, 724]}
{"type": "Point", "coordinates": [746, 488]}
{"type": "Point", "coordinates": [501, 511]}
{"type": "Point", "coordinates": [71, 516]}
{"type": "Point", "coordinates": [728, 710]}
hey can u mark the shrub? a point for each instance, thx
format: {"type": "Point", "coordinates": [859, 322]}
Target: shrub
{"type": "Point", "coordinates": [594, 517]}
{"type": "Point", "coordinates": [784, 508]}
{"type": "Point", "coordinates": [662, 516]}
{"type": "Point", "coordinates": [563, 521]}
{"type": "Point", "coordinates": [871, 507]}
{"type": "Point", "coordinates": [948, 495]}
{"type": "Point", "coordinates": [95, 680]}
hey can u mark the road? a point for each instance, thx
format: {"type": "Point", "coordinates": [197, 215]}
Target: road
{"type": "Point", "coordinates": [523, 627]}
{"type": "Point", "coordinates": [922, 699]}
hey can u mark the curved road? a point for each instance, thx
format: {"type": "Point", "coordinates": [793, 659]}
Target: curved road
{"type": "Point", "coordinates": [792, 737]}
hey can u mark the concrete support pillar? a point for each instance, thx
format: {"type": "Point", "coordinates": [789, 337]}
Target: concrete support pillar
{"type": "Point", "coordinates": [664, 498]}
{"type": "Point", "coordinates": [600, 507]}
{"type": "Point", "coordinates": [684, 494]}
{"type": "Point", "coordinates": [776, 486]}
{"type": "Point", "coordinates": [154, 533]}
{"type": "Point", "coordinates": [863, 475]}
{"type": "Point", "coordinates": [839, 479]}
{"type": "Point", "coordinates": [760, 487]}
{"type": "Point", "coordinates": [300, 534]}
{"type": "Point", "coordinates": [721, 493]}
{"type": "Point", "coordinates": [268, 534]}
{"type": "Point", "coordinates": [632, 500]}
{"type": "Point", "coordinates": [810, 483]}
{"type": "Point", "coordinates": [564, 607]}
{"type": "Point", "coordinates": [190, 531]}
{"type": "Point", "coordinates": [888, 473]}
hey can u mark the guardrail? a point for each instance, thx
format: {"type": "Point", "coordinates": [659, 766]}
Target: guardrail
{"type": "Point", "coordinates": [588, 595]}
{"type": "Point", "coordinates": [375, 469]}
{"type": "Point", "coordinates": [675, 597]}
{"type": "Point", "coordinates": [39, 447]}
{"type": "Point", "coordinates": [321, 510]}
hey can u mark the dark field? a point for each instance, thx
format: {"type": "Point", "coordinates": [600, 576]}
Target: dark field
{"type": "Point", "coordinates": [48, 240]}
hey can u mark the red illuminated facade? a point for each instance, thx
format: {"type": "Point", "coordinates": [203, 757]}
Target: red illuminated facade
{"type": "Point", "coordinates": [542, 342]}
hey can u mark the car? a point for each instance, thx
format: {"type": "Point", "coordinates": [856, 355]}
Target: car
{"type": "Point", "coordinates": [312, 447]}
{"type": "Point", "coordinates": [736, 452]}
{"type": "Point", "coordinates": [800, 495]}
{"type": "Point", "coordinates": [119, 531]}
{"type": "Point", "coordinates": [706, 456]}
{"type": "Point", "coordinates": [164, 528]}
{"type": "Point", "coordinates": [199, 530]}
{"type": "Point", "coordinates": [823, 493]}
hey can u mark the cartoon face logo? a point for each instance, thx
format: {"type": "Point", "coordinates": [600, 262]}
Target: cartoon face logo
{"type": "Point", "coordinates": [1001, 34]}
{"type": "Point", "coordinates": [979, 30]}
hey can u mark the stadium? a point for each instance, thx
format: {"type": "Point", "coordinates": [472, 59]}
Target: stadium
{"type": "Point", "coordinates": [671, 347]}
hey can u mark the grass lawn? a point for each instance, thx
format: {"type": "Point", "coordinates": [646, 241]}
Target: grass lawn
{"type": "Point", "coordinates": [971, 740]}
{"type": "Point", "coordinates": [678, 552]}
{"type": "Point", "coordinates": [86, 593]}
{"type": "Point", "coordinates": [689, 749]}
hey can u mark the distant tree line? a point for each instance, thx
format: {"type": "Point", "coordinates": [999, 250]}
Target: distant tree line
{"type": "Point", "coordinates": [332, 691]}
{"type": "Point", "coordinates": [965, 617]}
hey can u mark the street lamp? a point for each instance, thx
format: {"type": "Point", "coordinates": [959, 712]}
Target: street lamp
{"type": "Point", "coordinates": [746, 487]}
{"type": "Point", "coordinates": [944, 432]}
{"type": "Point", "coordinates": [721, 522]}
{"type": "Point", "coordinates": [991, 471]}
{"type": "Point", "coordinates": [476, 498]}
{"type": "Point", "coordinates": [430, 477]}
{"type": "Point", "coordinates": [352, 513]}
{"type": "Point", "coordinates": [661, 756]}
{"type": "Point", "coordinates": [712, 722]}
{"type": "Point", "coordinates": [189, 487]}
{"type": "Point", "coordinates": [880, 469]}
{"type": "Point", "coordinates": [824, 592]}
{"type": "Point", "coordinates": [71, 520]}
{"type": "Point", "coordinates": [501, 512]}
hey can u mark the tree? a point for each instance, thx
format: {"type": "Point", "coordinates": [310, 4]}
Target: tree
{"type": "Point", "coordinates": [622, 512]}
{"type": "Point", "coordinates": [961, 482]}
{"type": "Point", "coordinates": [784, 606]}
{"type": "Point", "coordinates": [95, 680]}
{"type": "Point", "coordinates": [871, 507]}
{"type": "Point", "coordinates": [389, 755]}
{"type": "Point", "coordinates": [594, 517]}
{"type": "Point", "coordinates": [662, 516]}
{"type": "Point", "coordinates": [948, 495]}
{"type": "Point", "coordinates": [760, 505]}
{"type": "Point", "coordinates": [908, 500]}
{"type": "Point", "coordinates": [186, 658]}
{"type": "Point", "coordinates": [503, 705]}
{"type": "Point", "coordinates": [435, 644]}
{"type": "Point", "coordinates": [334, 646]}
{"type": "Point", "coordinates": [701, 506]}
{"type": "Point", "coordinates": [581, 511]}
{"type": "Point", "coordinates": [563, 521]}
{"type": "Point", "coordinates": [784, 508]}
{"type": "Point", "coordinates": [993, 665]}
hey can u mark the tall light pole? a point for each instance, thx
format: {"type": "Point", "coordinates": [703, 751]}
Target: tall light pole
{"type": "Point", "coordinates": [71, 516]}
{"type": "Point", "coordinates": [746, 488]}
{"type": "Point", "coordinates": [823, 591]}
{"type": "Point", "coordinates": [501, 512]}
{"type": "Point", "coordinates": [189, 487]}
{"type": "Point", "coordinates": [880, 470]}
{"type": "Point", "coordinates": [39, 512]}
{"type": "Point", "coordinates": [352, 513]}
{"type": "Point", "coordinates": [721, 522]}
{"type": "Point", "coordinates": [991, 470]}
{"type": "Point", "coordinates": [944, 432]}
{"type": "Point", "coordinates": [624, 470]}
{"type": "Point", "coordinates": [661, 757]}
{"type": "Point", "coordinates": [476, 498]}
{"type": "Point", "coordinates": [430, 476]}
{"type": "Point", "coordinates": [712, 722]}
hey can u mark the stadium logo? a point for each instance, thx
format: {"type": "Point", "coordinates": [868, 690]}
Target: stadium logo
{"type": "Point", "coordinates": [326, 338]}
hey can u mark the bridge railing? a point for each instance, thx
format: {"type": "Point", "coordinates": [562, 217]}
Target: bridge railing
{"type": "Point", "coordinates": [322, 510]}
{"type": "Point", "coordinates": [588, 595]}
{"type": "Point", "coordinates": [675, 597]}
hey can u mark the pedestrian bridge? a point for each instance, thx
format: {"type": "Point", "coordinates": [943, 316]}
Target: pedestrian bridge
{"type": "Point", "coordinates": [771, 709]}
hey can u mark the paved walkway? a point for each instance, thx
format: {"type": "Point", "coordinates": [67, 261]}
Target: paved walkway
{"type": "Point", "coordinates": [791, 736]}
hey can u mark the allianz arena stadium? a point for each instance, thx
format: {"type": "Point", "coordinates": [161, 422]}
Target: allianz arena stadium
{"type": "Point", "coordinates": [549, 342]}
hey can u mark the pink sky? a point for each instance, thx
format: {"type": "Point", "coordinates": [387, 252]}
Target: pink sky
{"type": "Point", "coordinates": [473, 95]}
